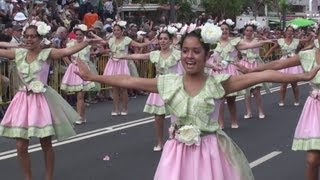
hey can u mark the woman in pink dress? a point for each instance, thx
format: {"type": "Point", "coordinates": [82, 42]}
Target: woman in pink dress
{"type": "Point", "coordinates": [37, 110]}
{"type": "Point", "coordinates": [250, 59]}
{"type": "Point", "coordinates": [70, 81]}
{"type": "Point", "coordinates": [226, 54]}
{"type": "Point", "coordinates": [167, 61]}
{"type": "Point", "coordinates": [118, 45]}
{"type": "Point", "coordinates": [197, 148]}
{"type": "Point", "coordinates": [307, 132]}
{"type": "Point", "coordinates": [288, 45]}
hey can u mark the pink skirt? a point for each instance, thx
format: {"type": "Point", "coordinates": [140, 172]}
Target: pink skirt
{"type": "Point", "coordinates": [73, 83]}
{"type": "Point", "coordinates": [250, 65]}
{"type": "Point", "coordinates": [307, 133]}
{"type": "Point", "coordinates": [230, 69]}
{"type": "Point", "coordinates": [291, 70]}
{"type": "Point", "coordinates": [27, 115]}
{"type": "Point", "coordinates": [204, 162]}
{"type": "Point", "coordinates": [119, 67]}
{"type": "Point", "coordinates": [154, 105]}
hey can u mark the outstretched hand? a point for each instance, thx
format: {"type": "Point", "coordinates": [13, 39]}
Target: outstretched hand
{"type": "Point", "coordinates": [310, 75]}
{"type": "Point", "coordinates": [241, 68]}
{"type": "Point", "coordinates": [94, 39]}
{"type": "Point", "coordinates": [84, 71]}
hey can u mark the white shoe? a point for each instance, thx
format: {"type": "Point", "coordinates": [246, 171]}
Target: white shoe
{"type": "Point", "coordinates": [247, 116]}
{"type": "Point", "coordinates": [234, 126]}
{"type": "Point", "coordinates": [114, 113]}
{"type": "Point", "coordinates": [79, 122]}
{"type": "Point", "coordinates": [281, 104]}
{"type": "Point", "coordinates": [296, 104]}
{"type": "Point", "coordinates": [262, 116]}
{"type": "Point", "coordinates": [124, 113]}
{"type": "Point", "coordinates": [157, 148]}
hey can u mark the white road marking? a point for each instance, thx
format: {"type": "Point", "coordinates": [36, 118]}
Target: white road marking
{"type": "Point", "coordinates": [264, 158]}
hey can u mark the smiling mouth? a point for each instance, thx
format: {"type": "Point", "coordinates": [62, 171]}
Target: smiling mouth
{"type": "Point", "coordinates": [190, 64]}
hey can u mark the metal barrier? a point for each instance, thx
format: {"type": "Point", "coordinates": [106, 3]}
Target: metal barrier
{"type": "Point", "coordinates": [9, 81]}
{"type": "Point", "coordinates": [7, 69]}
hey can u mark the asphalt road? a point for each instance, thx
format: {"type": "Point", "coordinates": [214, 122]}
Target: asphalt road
{"type": "Point", "coordinates": [126, 144]}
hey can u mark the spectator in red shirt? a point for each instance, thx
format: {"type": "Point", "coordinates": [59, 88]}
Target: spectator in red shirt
{"type": "Point", "coordinates": [90, 18]}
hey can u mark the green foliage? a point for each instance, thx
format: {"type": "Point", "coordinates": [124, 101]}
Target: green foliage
{"type": "Point", "coordinates": [184, 13]}
{"type": "Point", "coordinates": [223, 8]}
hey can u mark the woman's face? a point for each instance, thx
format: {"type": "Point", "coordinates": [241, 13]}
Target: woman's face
{"type": "Point", "coordinates": [225, 31]}
{"type": "Point", "coordinates": [31, 38]}
{"type": "Point", "coordinates": [307, 37]}
{"type": "Point", "coordinates": [248, 32]}
{"type": "Point", "coordinates": [79, 36]}
{"type": "Point", "coordinates": [164, 41]}
{"type": "Point", "coordinates": [193, 56]}
{"type": "Point", "coordinates": [289, 32]}
{"type": "Point", "coordinates": [117, 31]}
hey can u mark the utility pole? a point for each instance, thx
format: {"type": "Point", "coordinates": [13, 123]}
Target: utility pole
{"type": "Point", "coordinates": [172, 11]}
{"type": "Point", "coordinates": [283, 7]}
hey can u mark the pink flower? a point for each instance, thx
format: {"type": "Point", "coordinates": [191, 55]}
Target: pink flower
{"type": "Point", "coordinates": [191, 27]}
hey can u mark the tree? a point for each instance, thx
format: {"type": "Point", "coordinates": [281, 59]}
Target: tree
{"type": "Point", "coordinates": [223, 8]}
{"type": "Point", "coordinates": [283, 9]}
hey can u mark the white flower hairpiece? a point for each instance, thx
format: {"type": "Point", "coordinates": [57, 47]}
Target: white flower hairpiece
{"type": "Point", "coordinates": [82, 27]}
{"type": "Point", "coordinates": [42, 28]}
{"type": "Point", "coordinates": [178, 25]}
{"type": "Point", "coordinates": [172, 29]}
{"type": "Point", "coordinates": [229, 22]}
{"type": "Point", "coordinates": [120, 23]}
{"type": "Point", "coordinates": [210, 33]}
{"type": "Point", "coordinates": [183, 30]}
{"type": "Point", "coordinates": [293, 26]}
{"type": "Point", "coordinates": [252, 23]}
{"type": "Point", "coordinates": [191, 27]}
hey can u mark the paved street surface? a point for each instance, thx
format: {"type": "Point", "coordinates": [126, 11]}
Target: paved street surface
{"type": "Point", "coordinates": [128, 140]}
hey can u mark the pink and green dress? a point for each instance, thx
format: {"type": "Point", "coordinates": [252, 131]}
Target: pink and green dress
{"type": "Point", "coordinates": [115, 66]}
{"type": "Point", "coordinates": [37, 110]}
{"type": "Point", "coordinates": [288, 50]}
{"type": "Point", "coordinates": [251, 59]}
{"type": "Point", "coordinates": [72, 82]}
{"type": "Point", "coordinates": [227, 55]}
{"type": "Point", "coordinates": [171, 64]}
{"type": "Point", "coordinates": [307, 133]}
{"type": "Point", "coordinates": [198, 148]}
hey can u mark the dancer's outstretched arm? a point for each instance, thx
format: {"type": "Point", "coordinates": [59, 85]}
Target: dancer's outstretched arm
{"type": "Point", "coordinates": [274, 65]}
{"type": "Point", "coordinates": [145, 56]}
{"type": "Point", "coordinates": [124, 81]}
{"type": "Point", "coordinates": [236, 83]}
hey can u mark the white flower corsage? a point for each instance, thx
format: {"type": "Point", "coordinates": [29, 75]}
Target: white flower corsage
{"type": "Point", "coordinates": [189, 135]}
{"type": "Point", "coordinates": [224, 64]}
{"type": "Point", "coordinates": [210, 33]}
{"type": "Point", "coordinates": [36, 87]}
